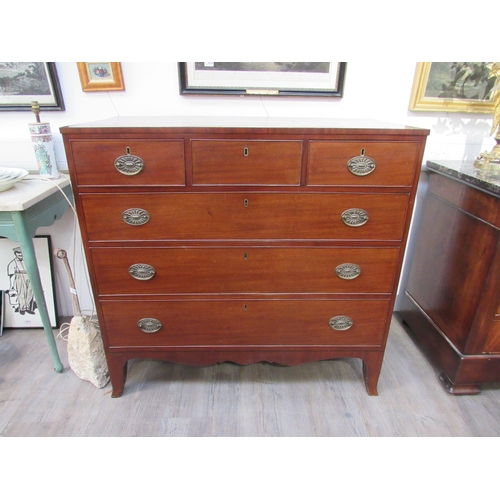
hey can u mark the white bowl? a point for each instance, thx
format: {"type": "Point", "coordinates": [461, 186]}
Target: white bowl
{"type": "Point", "coordinates": [11, 178]}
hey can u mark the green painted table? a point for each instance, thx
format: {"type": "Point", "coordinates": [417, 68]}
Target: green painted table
{"type": "Point", "coordinates": [32, 203]}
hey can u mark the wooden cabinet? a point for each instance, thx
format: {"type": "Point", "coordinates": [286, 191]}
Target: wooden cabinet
{"type": "Point", "coordinates": [208, 241]}
{"type": "Point", "coordinates": [452, 300]}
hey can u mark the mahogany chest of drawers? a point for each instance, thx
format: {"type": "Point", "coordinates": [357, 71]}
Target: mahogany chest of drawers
{"type": "Point", "coordinates": [213, 240]}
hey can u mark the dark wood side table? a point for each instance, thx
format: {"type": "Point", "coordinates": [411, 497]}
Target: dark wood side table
{"type": "Point", "coordinates": [452, 300]}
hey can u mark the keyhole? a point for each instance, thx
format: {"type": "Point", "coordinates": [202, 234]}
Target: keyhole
{"type": "Point", "coordinates": [127, 150]}
{"type": "Point", "coordinates": [245, 307]}
{"type": "Point", "coordinates": [245, 203]}
{"type": "Point", "coordinates": [363, 152]}
{"type": "Point", "coordinates": [245, 256]}
{"type": "Point", "coordinates": [245, 151]}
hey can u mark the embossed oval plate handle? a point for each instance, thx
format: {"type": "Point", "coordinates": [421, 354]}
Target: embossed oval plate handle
{"type": "Point", "coordinates": [135, 216]}
{"type": "Point", "coordinates": [355, 217]}
{"type": "Point", "coordinates": [361, 165]}
{"type": "Point", "coordinates": [129, 164]}
{"type": "Point", "coordinates": [149, 325]}
{"type": "Point", "coordinates": [348, 271]}
{"type": "Point", "coordinates": [341, 323]}
{"type": "Point", "coordinates": [142, 272]}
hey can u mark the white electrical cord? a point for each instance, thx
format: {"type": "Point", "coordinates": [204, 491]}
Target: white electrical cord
{"type": "Point", "coordinates": [91, 316]}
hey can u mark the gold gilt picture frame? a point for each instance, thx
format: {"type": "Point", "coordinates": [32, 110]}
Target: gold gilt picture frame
{"type": "Point", "coordinates": [100, 76]}
{"type": "Point", "coordinates": [452, 87]}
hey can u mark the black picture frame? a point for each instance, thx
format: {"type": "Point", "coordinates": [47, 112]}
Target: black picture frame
{"type": "Point", "coordinates": [302, 79]}
{"type": "Point", "coordinates": [18, 78]}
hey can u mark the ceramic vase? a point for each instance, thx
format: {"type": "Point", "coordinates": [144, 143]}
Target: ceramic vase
{"type": "Point", "coordinates": [43, 145]}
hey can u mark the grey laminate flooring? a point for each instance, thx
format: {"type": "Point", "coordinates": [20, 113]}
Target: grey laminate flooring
{"type": "Point", "coordinates": [321, 399]}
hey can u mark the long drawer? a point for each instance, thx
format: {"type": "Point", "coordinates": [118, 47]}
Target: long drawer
{"type": "Point", "coordinates": [130, 162]}
{"type": "Point", "coordinates": [357, 163]}
{"type": "Point", "coordinates": [135, 271]}
{"type": "Point", "coordinates": [222, 323]}
{"type": "Point", "coordinates": [244, 216]}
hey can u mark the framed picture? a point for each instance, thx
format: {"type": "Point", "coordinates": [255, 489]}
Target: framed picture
{"type": "Point", "coordinates": [323, 79]}
{"type": "Point", "coordinates": [100, 76]}
{"type": "Point", "coordinates": [24, 82]}
{"type": "Point", "coordinates": [20, 308]}
{"type": "Point", "coordinates": [452, 87]}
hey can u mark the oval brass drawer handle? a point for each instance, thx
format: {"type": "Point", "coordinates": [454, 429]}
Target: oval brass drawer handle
{"type": "Point", "coordinates": [149, 325]}
{"type": "Point", "coordinates": [142, 272]}
{"type": "Point", "coordinates": [341, 323]}
{"type": "Point", "coordinates": [361, 165]}
{"type": "Point", "coordinates": [129, 164]}
{"type": "Point", "coordinates": [348, 271]}
{"type": "Point", "coordinates": [135, 216]}
{"type": "Point", "coordinates": [355, 217]}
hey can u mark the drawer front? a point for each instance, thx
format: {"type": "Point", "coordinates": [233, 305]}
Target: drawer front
{"type": "Point", "coordinates": [234, 162]}
{"type": "Point", "coordinates": [361, 163]}
{"type": "Point", "coordinates": [244, 270]}
{"type": "Point", "coordinates": [245, 323]}
{"type": "Point", "coordinates": [138, 162]}
{"type": "Point", "coordinates": [244, 216]}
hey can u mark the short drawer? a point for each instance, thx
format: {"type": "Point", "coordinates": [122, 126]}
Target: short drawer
{"type": "Point", "coordinates": [245, 323]}
{"type": "Point", "coordinates": [361, 163]}
{"type": "Point", "coordinates": [244, 216]}
{"type": "Point", "coordinates": [136, 271]}
{"type": "Point", "coordinates": [249, 162]}
{"type": "Point", "coordinates": [129, 162]}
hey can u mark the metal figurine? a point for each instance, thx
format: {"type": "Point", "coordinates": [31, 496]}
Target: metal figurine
{"type": "Point", "coordinates": [491, 160]}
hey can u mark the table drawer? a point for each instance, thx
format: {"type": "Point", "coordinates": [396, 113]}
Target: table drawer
{"type": "Point", "coordinates": [135, 271]}
{"type": "Point", "coordinates": [249, 162]}
{"type": "Point", "coordinates": [245, 323]}
{"type": "Point", "coordinates": [127, 162]}
{"type": "Point", "coordinates": [362, 163]}
{"type": "Point", "coordinates": [244, 216]}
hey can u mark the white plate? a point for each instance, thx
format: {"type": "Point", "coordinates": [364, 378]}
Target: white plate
{"type": "Point", "coordinates": [6, 184]}
{"type": "Point", "coordinates": [10, 173]}
{"type": "Point", "coordinates": [11, 177]}
{"type": "Point", "coordinates": [6, 173]}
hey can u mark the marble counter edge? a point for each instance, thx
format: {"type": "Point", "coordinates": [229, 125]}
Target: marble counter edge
{"type": "Point", "coordinates": [30, 191]}
{"type": "Point", "coordinates": [466, 172]}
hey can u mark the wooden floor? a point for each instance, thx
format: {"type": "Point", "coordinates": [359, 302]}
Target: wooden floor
{"type": "Point", "coordinates": [323, 399]}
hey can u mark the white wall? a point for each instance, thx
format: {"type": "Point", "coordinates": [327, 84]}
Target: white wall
{"type": "Point", "coordinates": [372, 91]}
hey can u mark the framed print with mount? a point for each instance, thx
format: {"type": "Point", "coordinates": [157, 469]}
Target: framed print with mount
{"type": "Point", "coordinates": [20, 307]}
{"type": "Point", "coordinates": [321, 79]}
{"type": "Point", "coordinates": [100, 76]}
{"type": "Point", "coordinates": [24, 82]}
{"type": "Point", "coordinates": [452, 87]}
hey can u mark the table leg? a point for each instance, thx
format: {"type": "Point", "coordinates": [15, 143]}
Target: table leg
{"type": "Point", "coordinates": [26, 243]}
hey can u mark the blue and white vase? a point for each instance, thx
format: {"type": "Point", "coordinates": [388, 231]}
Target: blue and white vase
{"type": "Point", "coordinates": [43, 145]}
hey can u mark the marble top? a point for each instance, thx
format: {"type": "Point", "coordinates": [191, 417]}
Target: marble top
{"type": "Point", "coordinates": [466, 172]}
{"type": "Point", "coordinates": [29, 191]}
